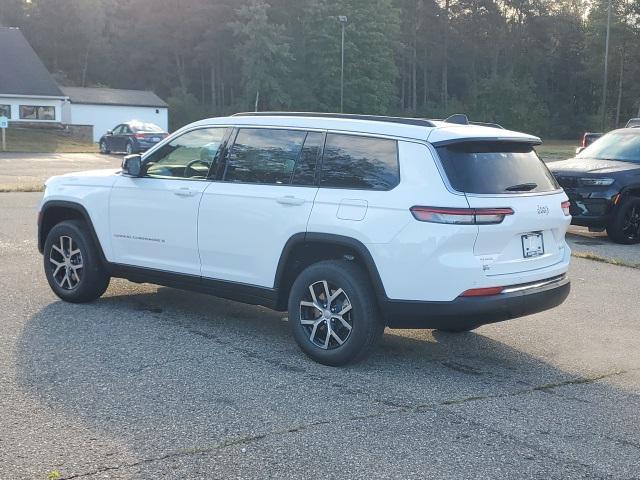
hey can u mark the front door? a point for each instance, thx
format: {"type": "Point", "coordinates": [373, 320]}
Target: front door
{"type": "Point", "coordinates": [265, 197]}
{"type": "Point", "coordinates": [154, 218]}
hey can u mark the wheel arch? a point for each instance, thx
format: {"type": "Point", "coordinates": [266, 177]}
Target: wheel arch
{"type": "Point", "coordinates": [56, 211]}
{"type": "Point", "coordinates": [304, 249]}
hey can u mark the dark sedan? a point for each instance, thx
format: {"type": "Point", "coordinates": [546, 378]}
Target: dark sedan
{"type": "Point", "coordinates": [131, 137]}
{"type": "Point", "coordinates": [603, 185]}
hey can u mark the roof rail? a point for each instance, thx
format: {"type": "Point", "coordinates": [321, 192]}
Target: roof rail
{"type": "Point", "coordinates": [420, 122]}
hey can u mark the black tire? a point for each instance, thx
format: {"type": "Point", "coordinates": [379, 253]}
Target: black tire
{"type": "Point", "coordinates": [367, 326]}
{"type": "Point", "coordinates": [90, 280]}
{"type": "Point", "coordinates": [129, 149]}
{"type": "Point", "coordinates": [103, 148]}
{"type": "Point", "coordinates": [625, 225]}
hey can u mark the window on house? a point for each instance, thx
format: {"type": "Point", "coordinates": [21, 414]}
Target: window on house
{"type": "Point", "coordinates": [37, 112]}
{"type": "Point", "coordinates": [5, 111]}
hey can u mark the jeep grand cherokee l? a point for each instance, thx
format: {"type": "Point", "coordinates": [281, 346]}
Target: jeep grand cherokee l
{"type": "Point", "coordinates": [351, 223]}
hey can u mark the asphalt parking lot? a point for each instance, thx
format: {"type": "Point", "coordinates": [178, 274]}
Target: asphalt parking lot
{"type": "Point", "coordinates": [30, 170]}
{"type": "Point", "coordinates": [152, 382]}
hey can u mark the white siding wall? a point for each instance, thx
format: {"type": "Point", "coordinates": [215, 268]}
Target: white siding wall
{"type": "Point", "coordinates": [15, 103]}
{"type": "Point", "coordinates": [105, 117]}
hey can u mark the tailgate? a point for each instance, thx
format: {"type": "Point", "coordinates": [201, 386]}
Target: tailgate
{"type": "Point", "coordinates": [509, 175]}
{"type": "Point", "coordinates": [531, 238]}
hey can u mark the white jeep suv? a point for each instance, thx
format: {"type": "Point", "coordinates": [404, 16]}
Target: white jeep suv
{"type": "Point", "coordinates": [351, 223]}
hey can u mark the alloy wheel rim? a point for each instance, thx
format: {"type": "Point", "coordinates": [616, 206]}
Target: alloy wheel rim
{"type": "Point", "coordinates": [103, 147]}
{"type": "Point", "coordinates": [129, 149]}
{"type": "Point", "coordinates": [326, 315]}
{"type": "Point", "coordinates": [65, 259]}
{"type": "Point", "coordinates": [631, 225]}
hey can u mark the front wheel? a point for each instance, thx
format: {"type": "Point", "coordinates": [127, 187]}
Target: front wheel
{"type": "Point", "coordinates": [103, 147]}
{"type": "Point", "coordinates": [72, 263]}
{"type": "Point", "coordinates": [625, 225]}
{"type": "Point", "coordinates": [333, 313]}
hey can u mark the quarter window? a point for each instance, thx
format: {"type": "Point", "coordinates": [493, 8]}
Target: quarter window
{"type": "Point", "coordinates": [359, 162]}
{"type": "Point", "coordinates": [191, 155]}
{"type": "Point", "coordinates": [261, 155]}
{"type": "Point", "coordinates": [5, 111]}
{"type": "Point", "coordinates": [37, 112]}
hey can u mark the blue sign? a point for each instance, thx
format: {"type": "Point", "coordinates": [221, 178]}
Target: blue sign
{"type": "Point", "coordinates": [4, 122]}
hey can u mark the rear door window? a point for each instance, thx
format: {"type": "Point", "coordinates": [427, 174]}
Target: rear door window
{"type": "Point", "coordinates": [495, 168]}
{"type": "Point", "coordinates": [261, 155]}
{"type": "Point", "coordinates": [359, 162]}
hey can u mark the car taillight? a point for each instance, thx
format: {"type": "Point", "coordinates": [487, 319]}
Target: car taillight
{"type": "Point", "coordinates": [140, 135]}
{"type": "Point", "coordinates": [482, 292]}
{"type": "Point", "coordinates": [584, 141]}
{"type": "Point", "coordinates": [461, 216]}
{"type": "Point", "coordinates": [565, 207]}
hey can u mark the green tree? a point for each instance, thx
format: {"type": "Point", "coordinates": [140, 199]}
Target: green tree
{"type": "Point", "coordinates": [265, 57]}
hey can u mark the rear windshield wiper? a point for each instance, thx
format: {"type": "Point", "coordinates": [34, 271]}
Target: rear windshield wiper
{"type": "Point", "coordinates": [522, 187]}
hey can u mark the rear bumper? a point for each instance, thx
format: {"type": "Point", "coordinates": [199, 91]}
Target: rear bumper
{"type": "Point", "coordinates": [471, 312]}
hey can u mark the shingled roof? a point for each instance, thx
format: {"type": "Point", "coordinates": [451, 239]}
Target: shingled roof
{"type": "Point", "coordinates": [21, 70]}
{"type": "Point", "coordinates": [113, 96]}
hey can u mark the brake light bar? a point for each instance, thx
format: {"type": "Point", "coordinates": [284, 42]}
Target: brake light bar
{"type": "Point", "coordinates": [565, 207]}
{"type": "Point", "coordinates": [461, 216]}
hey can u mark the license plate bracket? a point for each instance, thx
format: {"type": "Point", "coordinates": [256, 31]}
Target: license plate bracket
{"type": "Point", "coordinates": [532, 244]}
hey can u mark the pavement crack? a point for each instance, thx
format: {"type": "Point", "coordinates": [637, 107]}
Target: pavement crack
{"type": "Point", "coordinates": [397, 410]}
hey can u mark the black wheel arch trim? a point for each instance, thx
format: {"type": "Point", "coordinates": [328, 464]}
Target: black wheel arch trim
{"type": "Point", "coordinates": [70, 206]}
{"type": "Point", "coordinates": [330, 239]}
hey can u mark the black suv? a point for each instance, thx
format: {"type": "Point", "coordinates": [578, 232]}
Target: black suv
{"type": "Point", "coordinates": [603, 185]}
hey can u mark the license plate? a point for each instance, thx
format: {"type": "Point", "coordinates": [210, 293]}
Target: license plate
{"type": "Point", "coordinates": [155, 139]}
{"type": "Point", "coordinates": [532, 245]}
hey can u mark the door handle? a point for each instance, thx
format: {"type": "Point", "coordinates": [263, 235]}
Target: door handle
{"type": "Point", "coordinates": [290, 200]}
{"type": "Point", "coordinates": [184, 192]}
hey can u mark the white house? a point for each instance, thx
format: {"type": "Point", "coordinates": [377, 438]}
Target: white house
{"type": "Point", "coordinates": [104, 108]}
{"type": "Point", "coordinates": [28, 93]}
{"type": "Point", "coordinates": [30, 96]}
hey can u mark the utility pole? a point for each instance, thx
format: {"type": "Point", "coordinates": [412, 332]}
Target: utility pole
{"type": "Point", "coordinates": [606, 69]}
{"type": "Point", "coordinates": [343, 22]}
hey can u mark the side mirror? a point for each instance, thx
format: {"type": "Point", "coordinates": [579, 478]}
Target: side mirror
{"type": "Point", "coordinates": [579, 149]}
{"type": "Point", "coordinates": [109, 132]}
{"type": "Point", "coordinates": [132, 165]}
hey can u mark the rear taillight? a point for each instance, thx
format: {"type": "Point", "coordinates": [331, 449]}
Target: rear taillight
{"type": "Point", "coordinates": [584, 141]}
{"type": "Point", "coordinates": [565, 207]}
{"type": "Point", "coordinates": [461, 216]}
{"type": "Point", "coordinates": [140, 135]}
{"type": "Point", "coordinates": [482, 292]}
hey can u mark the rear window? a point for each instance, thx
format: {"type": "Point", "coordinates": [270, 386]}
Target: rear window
{"type": "Point", "coordinates": [146, 127]}
{"type": "Point", "coordinates": [495, 167]}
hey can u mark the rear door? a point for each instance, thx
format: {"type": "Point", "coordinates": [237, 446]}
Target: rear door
{"type": "Point", "coordinates": [262, 199]}
{"type": "Point", "coordinates": [510, 175]}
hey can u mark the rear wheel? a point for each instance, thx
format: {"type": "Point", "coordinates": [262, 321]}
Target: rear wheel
{"type": "Point", "coordinates": [625, 225]}
{"type": "Point", "coordinates": [72, 263]}
{"type": "Point", "coordinates": [129, 148]}
{"type": "Point", "coordinates": [333, 313]}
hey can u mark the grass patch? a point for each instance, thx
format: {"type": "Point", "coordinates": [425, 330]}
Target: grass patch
{"type": "Point", "coordinates": [611, 261]}
{"type": "Point", "coordinates": [552, 150]}
{"type": "Point", "coordinates": [34, 140]}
